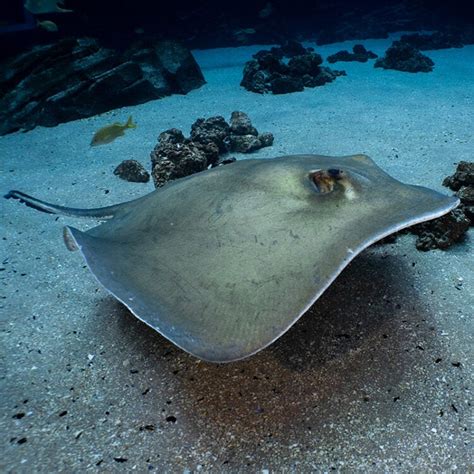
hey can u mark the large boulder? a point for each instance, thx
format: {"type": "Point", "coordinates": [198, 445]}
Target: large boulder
{"type": "Point", "coordinates": [77, 78]}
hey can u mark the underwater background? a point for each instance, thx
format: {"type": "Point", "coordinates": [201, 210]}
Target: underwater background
{"type": "Point", "coordinates": [103, 102]}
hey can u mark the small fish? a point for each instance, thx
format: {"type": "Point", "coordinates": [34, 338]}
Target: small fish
{"type": "Point", "coordinates": [47, 25]}
{"type": "Point", "coordinates": [111, 132]}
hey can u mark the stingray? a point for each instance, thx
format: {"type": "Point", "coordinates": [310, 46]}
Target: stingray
{"type": "Point", "coordinates": [223, 262]}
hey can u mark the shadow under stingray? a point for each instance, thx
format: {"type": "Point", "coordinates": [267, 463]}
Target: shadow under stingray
{"type": "Point", "coordinates": [352, 342]}
{"type": "Point", "coordinates": [356, 305]}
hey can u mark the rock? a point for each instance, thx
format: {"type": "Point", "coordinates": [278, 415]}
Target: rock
{"type": "Point", "coordinates": [269, 73]}
{"type": "Point", "coordinates": [463, 176]}
{"type": "Point", "coordinates": [325, 76]}
{"type": "Point", "coordinates": [443, 232]}
{"type": "Point", "coordinates": [176, 160]}
{"type": "Point", "coordinates": [176, 156]}
{"type": "Point", "coordinates": [77, 78]}
{"type": "Point", "coordinates": [305, 64]}
{"type": "Point", "coordinates": [179, 67]}
{"type": "Point", "coordinates": [266, 139]}
{"type": "Point", "coordinates": [133, 171]}
{"type": "Point", "coordinates": [404, 57]}
{"type": "Point", "coordinates": [462, 181]}
{"type": "Point", "coordinates": [244, 143]}
{"type": "Point", "coordinates": [466, 194]}
{"type": "Point", "coordinates": [438, 40]}
{"type": "Point", "coordinates": [240, 124]}
{"type": "Point", "coordinates": [286, 84]}
{"type": "Point", "coordinates": [359, 53]}
{"type": "Point", "coordinates": [210, 149]}
{"type": "Point", "coordinates": [446, 230]}
{"type": "Point", "coordinates": [293, 48]}
{"type": "Point", "coordinates": [254, 79]}
{"type": "Point", "coordinates": [249, 143]}
{"type": "Point", "coordinates": [171, 136]}
{"type": "Point", "coordinates": [212, 130]}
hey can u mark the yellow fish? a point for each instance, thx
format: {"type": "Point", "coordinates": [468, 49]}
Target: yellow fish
{"type": "Point", "coordinates": [47, 25]}
{"type": "Point", "coordinates": [111, 132]}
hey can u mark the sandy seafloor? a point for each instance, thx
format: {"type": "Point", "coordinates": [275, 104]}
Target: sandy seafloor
{"type": "Point", "coordinates": [375, 377]}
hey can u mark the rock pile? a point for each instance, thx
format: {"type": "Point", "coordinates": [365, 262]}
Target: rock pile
{"type": "Point", "coordinates": [462, 181]}
{"type": "Point", "coordinates": [176, 156]}
{"type": "Point", "coordinates": [443, 232]}
{"type": "Point", "coordinates": [269, 72]}
{"type": "Point", "coordinates": [404, 57]}
{"type": "Point", "coordinates": [359, 53]}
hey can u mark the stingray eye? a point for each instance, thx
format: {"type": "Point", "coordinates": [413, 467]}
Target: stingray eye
{"type": "Point", "coordinates": [325, 180]}
{"type": "Point", "coordinates": [336, 173]}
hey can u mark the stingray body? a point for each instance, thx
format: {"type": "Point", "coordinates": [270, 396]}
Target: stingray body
{"type": "Point", "coordinates": [224, 262]}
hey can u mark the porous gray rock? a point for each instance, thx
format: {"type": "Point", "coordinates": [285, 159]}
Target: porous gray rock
{"type": "Point", "coordinates": [244, 143]}
{"type": "Point", "coordinates": [176, 160]}
{"type": "Point", "coordinates": [212, 130]}
{"type": "Point", "coordinates": [176, 156]}
{"type": "Point", "coordinates": [240, 124]}
{"type": "Point", "coordinates": [462, 181]}
{"type": "Point", "coordinates": [133, 171]}
{"type": "Point", "coordinates": [442, 232]}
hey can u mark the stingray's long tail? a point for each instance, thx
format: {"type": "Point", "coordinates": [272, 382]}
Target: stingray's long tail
{"type": "Point", "coordinates": [102, 212]}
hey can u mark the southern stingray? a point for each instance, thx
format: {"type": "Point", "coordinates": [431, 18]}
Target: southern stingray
{"type": "Point", "coordinates": [224, 262]}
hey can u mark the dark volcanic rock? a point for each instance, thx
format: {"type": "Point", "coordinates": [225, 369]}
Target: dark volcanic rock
{"type": "Point", "coordinates": [286, 84]}
{"type": "Point", "coordinates": [266, 139]}
{"type": "Point", "coordinates": [133, 171]}
{"type": "Point", "coordinates": [76, 78]}
{"type": "Point", "coordinates": [175, 160]}
{"type": "Point", "coordinates": [214, 130]}
{"type": "Point", "coordinates": [443, 232]}
{"type": "Point", "coordinates": [359, 53]}
{"type": "Point", "coordinates": [307, 63]}
{"type": "Point", "coordinates": [249, 143]}
{"type": "Point", "coordinates": [244, 137]}
{"type": "Point", "coordinates": [173, 135]}
{"type": "Point", "coordinates": [292, 48]}
{"type": "Point", "coordinates": [462, 181]}
{"type": "Point", "coordinates": [176, 156]}
{"type": "Point", "coordinates": [244, 143]}
{"type": "Point", "coordinates": [404, 57]}
{"type": "Point", "coordinates": [269, 73]}
{"type": "Point", "coordinates": [240, 124]}
{"type": "Point", "coordinates": [463, 176]}
{"type": "Point", "coordinates": [438, 40]}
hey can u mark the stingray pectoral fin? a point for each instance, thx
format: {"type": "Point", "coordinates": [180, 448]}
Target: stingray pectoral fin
{"type": "Point", "coordinates": [43, 206]}
{"type": "Point", "coordinates": [123, 276]}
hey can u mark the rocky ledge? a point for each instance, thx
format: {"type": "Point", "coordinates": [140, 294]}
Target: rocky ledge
{"type": "Point", "coordinates": [77, 78]}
